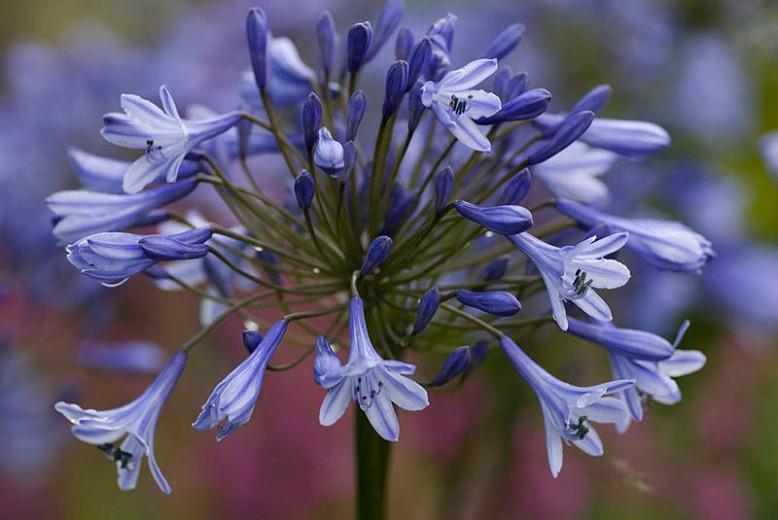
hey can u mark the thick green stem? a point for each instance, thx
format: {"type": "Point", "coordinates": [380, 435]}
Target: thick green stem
{"type": "Point", "coordinates": [372, 459]}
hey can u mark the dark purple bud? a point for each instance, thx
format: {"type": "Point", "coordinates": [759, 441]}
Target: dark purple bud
{"type": "Point", "coordinates": [357, 45]}
{"type": "Point", "coordinates": [357, 104]}
{"type": "Point", "coordinates": [593, 101]}
{"type": "Point", "coordinates": [419, 59]}
{"type": "Point", "coordinates": [528, 105]}
{"type": "Point", "coordinates": [349, 156]}
{"type": "Point", "coordinates": [325, 33]}
{"type": "Point", "coordinates": [568, 132]}
{"type": "Point", "coordinates": [415, 107]}
{"type": "Point", "coordinates": [256, 32]}
{"type": "Point", "coordinates": [396, 85]}
{"type": "Point", "coordinates": [428, 306]}
{"type": "Point", "coordinates": [404, 44]}
{"type": "Point", "coordinates": [251, 339]}
{"type": "Point", "coordinates": [376, 253]}
{"type": "Point", "coordinates": [444, 185]}
{"type": "Point", "coordinates": [457, 363]}
{"type": "Point", "coordinates": [499, 303]}
{"type": "Point", "coordinates": [304, 189]}
{"type": "Point", "coordinates": [517, 188]}
{"type": "Point", "coordinates": [494, 270]}
{"type": "Point", "coordinates": [388, 19]}
{"type": "Point", "coordinates": [504, 220]}
{"type": "Point", "coordinates": [311, 115]}
{"type": "Point", "coordinates": [505, 42]}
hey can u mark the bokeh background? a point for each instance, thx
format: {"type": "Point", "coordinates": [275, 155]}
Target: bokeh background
{"type": "Point", "coordinates": [707, 71]}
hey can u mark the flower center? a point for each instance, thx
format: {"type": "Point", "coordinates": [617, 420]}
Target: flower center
{"type": "Point", "coordinates": [581, 284]}
{"type": "Point", "coordinates": [578, 429]}
{"type": "Point", "coordinates": [152, 150]}
{"type": "Point", "coordinates": [366, 389]}
{"type": "Point", "coordinates": [458, 105]}
{"type": "Point", "coordinates": [116, 454]}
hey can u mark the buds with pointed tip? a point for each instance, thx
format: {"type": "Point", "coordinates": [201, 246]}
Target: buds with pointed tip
{"type": "Point", "coordinates": [444, 185]}
{"type": "Point", "coordinates": [594, 100]}
{"type": "Point", "coordinates": [251, 338]}
{"type": "Point", "coordinates": [494, 270]}
{"type": "Point", "coordinates": [505, 42]}
{"type": "Point", "coordinates": [396, 85]}
{"type": "Point", "coordinates": [404, 44]}
{"type": "Point", "coordinates": [376, 253]}
{"type": "Point", "coordinates": [304, 189]}
{"type": "Point", "coordinates": [428, 306]}
{"type": "Point", "coordinates": [504, 220]}
{"type": "Point", "coordinates": [568, 132]}
{"type": "Point", "coordinates": [357, 45]}
{"type": "Point", "coordinates": [325, 34]}
{"type": "Point", "coordinates": [418, 60]}
{"type": "Point", "coordinates": [357, 104]}
{"type": "Point", "coordinates": [311, 116]}
{"type": "Point", "coordinates": [349, 156]}
{"type": "Point", "coordinates": [499, 303]}
{"type": "Point", "coordinates": [517, 188]}
{"type": "Point", "coordinates": [389, 18]}
{"type": "Point", "coordinates": [257, 34]}
{"type": "Point", "coordinates": [528, 105]}
{"type": "Point", "coordinates": [457, 363]}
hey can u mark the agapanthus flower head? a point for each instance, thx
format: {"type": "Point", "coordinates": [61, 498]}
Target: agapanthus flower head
{"type": "Point", "coordinates": [232, 401]}
{"type": "Point", "coordinates": [374, 383]}
{"type": "Point", "coordinates": [571, 273]}
{"type": "Point", "coordinates": [569, 410]}
{"type": "Point", "coordinates": [457, 104]}
{"type": "Point", "coordinates": [162, 134]}
{"type": "Point", "coordinates": [134, 422]}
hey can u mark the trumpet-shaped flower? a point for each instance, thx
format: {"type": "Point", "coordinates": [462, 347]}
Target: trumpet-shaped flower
{"type": "Point", "coordinates": [571, 273]}
{"type": "Point", "coordinates": [164, 136]}
{"type": "Point", "coordinates": [569, 410]}
{"type": "Point", "coordinates": [456, 103]}
{"type": "Point", "coordinates": [374, 383]}
{"type": "Point", "coordinates": [232, 402]}
{"type": "Point", "coordinates": [135, 422]}
{"type": "Point", "coordinates": [113, 257]}
{"type": "Point", "coordinates": [664, 244]}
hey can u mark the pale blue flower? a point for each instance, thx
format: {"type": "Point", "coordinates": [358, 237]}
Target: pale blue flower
{"type": "Point", "coordinates": [232, 402]}
{"type": "Point", "coordinates": [569, 410]}
{"type": "Point", "coordinates": [164, 136]}
{"type": "Point", "coordinates": [135, 422]}
{"type": "Point", "coordinates": [456, 104]}
{"type": "Point", "coordinates": [575, 172]}
{"type": "Point", "coordinates": [571, 273]}
{"type": "Point", "coordinates": [374, 383]}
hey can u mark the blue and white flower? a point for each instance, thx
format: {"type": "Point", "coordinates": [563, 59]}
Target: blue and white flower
{"type": "Point", "coordinates": [456, 103]}
{"type": "Point", "coordinates": [374, 383]}
{"type": "Point", "coordinates": [232, 402]}
{"type": "Point", "coordinates": [164, 136]}
{"type": "Point", "coordinates": [571, 273]}
{"type": "Point", "coordinates": [664, 244]}
{"type": "Point", "coordinates": [113, 257]}
{"type": "Point", "coordinates": [569, 410]}
{"type": "Point", "coordinates": [135, 422]}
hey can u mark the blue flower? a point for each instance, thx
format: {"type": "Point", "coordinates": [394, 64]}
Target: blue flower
{"type": "Point", "coordinates": [289, 78]}
{"type": "Point", "coordinates": [374, 383]}
{"type": "Point", "coordinates": [456, 104]}
{"type": "Point", "coordinates": [634, 343]}
{"type": "Point", "coordinates": [164, 136]}
{"type": "Point", "coordinates": [113, 257]}
{"type": "Point", "coordinates": [499, 303]}
{"type": "Point", "coordinates": [457, 363]}
{"type": "Point", "coordinates": [504, 219]}
{"type": "Point", "coordinates": [574, 173]}
{"type": "Point", "coordinates": [428, 306]}
{"type": "Point", "coordinates": [569, 410]}
{"type": "Point", "coordinates": [81, 213]}
{"type": "Point", "coordinates": [376, 253]}
{"type": "Point", "coordinates": [664, 244]}
{"type": "Point", "coordinates": [571, 273]}
{"type": "Point", "coordinates": [328, 154]}
{"type": "Point", "coordinates": [135, 422]}
{"type": "Point", "coordinates": [504, 42]}
{"type": "Point", "coordinates": [232, 401]}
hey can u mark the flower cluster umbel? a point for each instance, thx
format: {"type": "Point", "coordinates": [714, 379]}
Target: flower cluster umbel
{"type": "Point", "coordinates": [400, 236]}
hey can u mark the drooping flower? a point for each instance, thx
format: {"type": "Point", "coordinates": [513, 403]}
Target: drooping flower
{"type": "Point", "coordinates": [574, 173]}
{"type": "Point", "coordinates": [571, 273]}
{"type": "Point", "coordinates": [135, 422]}
{"type": "Point", "coordinates": [456, 103]}
{"type": "Point", "coordinates": [569, 410]}
{"type": "Point", "coordinates": [634, 343]}
{"type": "Point", "coordinates": [374, 383]}
{"type": "Point", "coordinates": [164, 136]}
{"type": "Point", "coordinates": [114, 257]}
{"type": "Point", "coordinates": [81, 213]}
{"type": "Point", "coordinates": [664, 244]}
{"type": "Point", "coordinates": [232, 402]}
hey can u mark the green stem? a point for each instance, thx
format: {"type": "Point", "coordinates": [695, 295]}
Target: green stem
{"type": "Point", "coordinates": [372, 460]}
